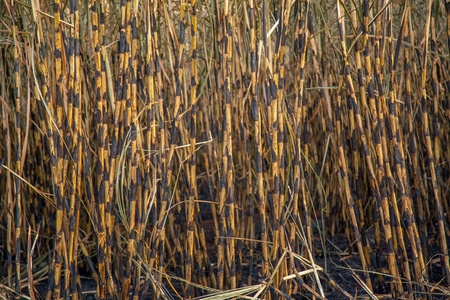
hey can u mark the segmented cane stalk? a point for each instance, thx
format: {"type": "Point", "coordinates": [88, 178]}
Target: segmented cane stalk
{"type": "Point", "coordinates": [58, 138]}
{"type": "Point", "coordinates": [228, 26]}
{"type": "Point", "coordinates": [150, 131]}
{"type": "Point", "coordinates": [418, 185]}
{"type": "Point", "coordinates": [344, 175]}
{"type": "Point", "coordinates": [327, 123]}
{"type": "Point", "coordinates": [384, 175]}
{"type": "Point", "coordinates": [17, 181]}
{"type": "Point", "coordinates": [74, 99]}
{"type": "Point", "coordinates": [279, 78]}
{"type": "Point", "coordinates": [127, 126]}
{"type": "Point", "coordinates": [251, 214]}
{"type": "Point", "coordinates": [379, 136]}
{"type": "Point", "coordinates": [192, 153]}
{"type": "Point", "coordinates": [159, 239]}
{"type": "Point", "coordinates": [345, 72]}
{"type": "Point", "coordinates": [133, 196]}
{"type": "Point", "coordinates": [447, 87]}
{"type": "Point", "coordinates": [222, 139]}
{"type": "Point", "coordinates": [100, 201]}
{"type": "Point", "coordinates": [106, 153]}
{"type": "Point", "coordinates": [357, 168]}
{"type": "Point", "coordinates": [435, 89]}
{"type": "Point", "coordinates": [239, 108]}
{"type": "Point", "coordinates": [162, 129]}
{"type": "Point", "coordinates": [245, 217]}
{"type": "Point", "coordinates": [256, 115]}
{"type": "Point", "coordinates": [71, 124]}
{"type": "Point", "coordinates": [399, 161]}
{"type": "Point", "coordinates": [46, 99]}
{"type": "Point", "coordinates": [118, 106]}
{"type": "Point", "coordinates": [372, 114]}
{"type": "Point", "coordinates": [126, 85]}
{"type": "Point", "coordinates": [273, 130]}
{"type": "Point", "coordinates": [149, 106]}
{"type": "Point", "coordinates": [9, 187]}
{"type": "Point", "coordinates": [390, 121]}
{"type": "Point", "coordinates": [354, 161]}
{"type": "Point", "coordinates": [107, 209]}
{"type": "Point", "coordinates": [430, 156]}
{"type": "Point", "coordinates": [436, 95]}
{"type": "Point", "coordinates": [305, 119]}
{"type": "Point", "coordinates": [77, 150]}
{"type": "Point", "coordinates": [302, 32]}
{"type": "Point", "coordinates": [116, 140]}
{"type": "Point", "coordinates": [447, 11]}
{"type": "Point", "coordinates": [301, 44]}
{"type": "Point", "coordinates": [358, 50]}
{"type": "Point", "coordinates": [205, 124]}
{"type": "Point", "coordinates": [159, 115]}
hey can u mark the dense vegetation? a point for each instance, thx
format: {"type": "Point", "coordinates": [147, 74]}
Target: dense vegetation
{"type": "Point", "coordinates": [226, 148]}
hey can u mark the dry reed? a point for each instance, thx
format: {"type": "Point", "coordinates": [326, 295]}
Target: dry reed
{"type": "Point", "coordinates": [220, 148]}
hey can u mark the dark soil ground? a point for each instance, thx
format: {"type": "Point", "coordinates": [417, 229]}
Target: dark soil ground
{"type": "Point", "coordinates": [341, 265]}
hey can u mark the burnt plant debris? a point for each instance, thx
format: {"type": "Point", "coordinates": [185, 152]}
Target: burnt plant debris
{"type": "Point", "coordinates": [268, 149]}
